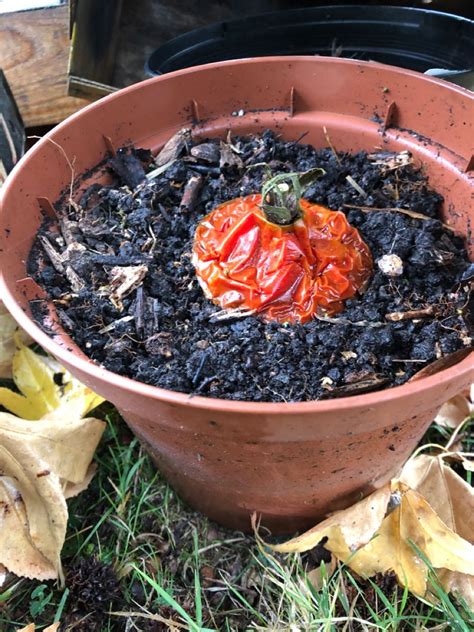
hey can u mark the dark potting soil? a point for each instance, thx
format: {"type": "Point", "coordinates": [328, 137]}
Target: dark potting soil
{"type": "Point", "coordinates": [165, 331]}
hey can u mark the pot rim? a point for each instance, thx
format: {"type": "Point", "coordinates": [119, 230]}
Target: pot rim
{"type": "Point", "coordinates": [96, 372]}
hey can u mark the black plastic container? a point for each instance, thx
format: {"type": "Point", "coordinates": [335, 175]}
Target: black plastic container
{"type": "Point", "coordinates": [418, 39]}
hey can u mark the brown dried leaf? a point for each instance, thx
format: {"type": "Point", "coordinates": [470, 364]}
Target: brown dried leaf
{"type": "Point", "coordinates": [37, 459]}
{"type": "Point", "coordinates": [123, 280]}
{"type": "Point", "coordinates": [172, 149]}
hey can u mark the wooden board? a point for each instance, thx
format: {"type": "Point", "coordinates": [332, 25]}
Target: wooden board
{"type": "Point", "coordinates": [34, 51]}
{"type": "Point", "coordinates": [93, 45]}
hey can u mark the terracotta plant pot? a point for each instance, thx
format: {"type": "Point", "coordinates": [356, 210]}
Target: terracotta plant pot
{"type": "Point", "coordinates": [291, 462]}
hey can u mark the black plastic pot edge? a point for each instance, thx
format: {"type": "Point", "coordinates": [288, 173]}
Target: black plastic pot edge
{"type": "Point", "coordinates": [217, 35]}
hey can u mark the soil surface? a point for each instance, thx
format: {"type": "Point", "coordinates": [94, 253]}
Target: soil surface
{"type": "Point", "coordinates": [164, 331]}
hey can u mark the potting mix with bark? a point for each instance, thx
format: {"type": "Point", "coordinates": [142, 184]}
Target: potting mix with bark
{"type": "Point", "coordinates": [257, 269]}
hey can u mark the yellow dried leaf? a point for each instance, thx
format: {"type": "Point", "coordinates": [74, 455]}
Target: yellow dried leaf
{"type": "Point", "coordinates": [74, 489]}
{"type": "Point", "coordinates": [8, 329]}
{"type": "Point", "coordinates": [31, 627]}
{"type": "Point", "coordinates": [413, 521]}
{"type": "Point", "coordinates": [41, 392]}
{"type": "Point", "coordinates": [38, 460]}
{"type": "Point", "coordinates": [454, 411]}
{"type": "Point", "coordinates": [452, 498]}
{"type": "Point", "coordinates": [376, 536]}
{"type": "Point", "coordinates": [346, 530]}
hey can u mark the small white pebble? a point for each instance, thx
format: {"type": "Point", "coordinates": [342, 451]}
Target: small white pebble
{"type": "Point", "coordinates": [326, 381]}
{"type": "Point", "coordinates": [240, 112]}
{"type": "Point", "coordinates": [391, 265]}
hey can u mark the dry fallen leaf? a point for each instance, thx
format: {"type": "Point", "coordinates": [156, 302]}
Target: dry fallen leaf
{"type": "Point", "coordinates": [38, 461]}
{"type": "Point", "coordinates": [452, 498]}
{"type": "Point", "coordinates": [45, 388]}
{"type": "Point", "coordinates": [454, 411]}
{"type": "Point", "coordinates": [346, 530]}
{"type": "Point", "coordinates": [31, 627]}
{"type": "Point", "coordinates": [318, 577]}
{"type": "Point", "coordinates": [370, 538]}
{"type": "Point", "coordinates": [123, 281]}
{"type": "Point", "coordinates": [8, 329]}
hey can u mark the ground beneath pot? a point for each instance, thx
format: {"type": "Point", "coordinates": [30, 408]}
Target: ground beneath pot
{"type": "Point", "coordinates": [165, 332]}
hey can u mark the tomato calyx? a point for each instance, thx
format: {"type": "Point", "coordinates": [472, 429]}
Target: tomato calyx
{"type": "Point", "coordinates": [281, 195]}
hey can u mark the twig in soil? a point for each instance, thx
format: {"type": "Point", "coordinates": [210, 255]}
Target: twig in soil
{"type": "Point", "coordinates": [112, 326]}
{"type": "Point", "coordinates": [205, 169]}
{"type": "Point", "coordinates": [159, 170]}
{"type": "Point", "coordinates": [390, 161]}
{"type": "Point", "coordinates": [229, 314]}
{"type": "Point", "coordinates": [54, 256]}
{"type": "Point", "coordinates": [196, 375]}
{"type": "Point", "coordinates": [64, 318]}
{"type": "Point", "coordinates": [356, 186]}
{"type": "Point", "coordinates": [328, 140]}
{"type": "Point", "coordinates": [204, 383]}
{"type": "Point", "coordinates": [121, 260]}
{"type": "Point", "coordinates": [299, 139]}
{"type": "Point", "coordinates": [369, 383]}
{"type": "Point", "coordinates": [409, 360]}
{"type": "Point", "coordinates": [140, 311]}
{"type": "Point", "coordinates": [445, 362]}
{"type": "Point", "coordinates": [412, 314]}
{"type": "Point", "coordinates": [344, 321]}
{"type": "Point", "coordinates": [393, 209]}
{"type": "Point", "coordinates": [67, 227]}
{"type": "Point", "coordinates": [191, 192]}
{"type": "Point", "coordinates": [74, 279]}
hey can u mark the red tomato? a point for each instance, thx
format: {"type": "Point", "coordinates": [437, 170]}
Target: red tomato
{"type": "Point", "coordinates": [283, 273]}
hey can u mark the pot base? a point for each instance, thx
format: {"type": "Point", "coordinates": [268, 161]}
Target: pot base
{"type": "Point", "coordinates": [230, 480]}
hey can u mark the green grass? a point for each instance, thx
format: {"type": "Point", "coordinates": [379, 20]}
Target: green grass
{"type": "Point", "coordinates": [178, 571]}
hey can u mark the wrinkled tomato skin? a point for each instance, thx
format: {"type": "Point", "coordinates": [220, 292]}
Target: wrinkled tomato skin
{"type": "Point", "coordinates": [284, 273]}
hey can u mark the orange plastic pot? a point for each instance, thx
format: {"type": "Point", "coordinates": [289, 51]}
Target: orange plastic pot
{"type": "Point", "coordinates": [291, 462]}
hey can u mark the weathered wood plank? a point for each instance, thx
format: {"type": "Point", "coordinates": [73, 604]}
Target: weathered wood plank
{"type": "Point", "coordinates": [94, 43]}
{"type": "Point", "coordinates": [34, 51]}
